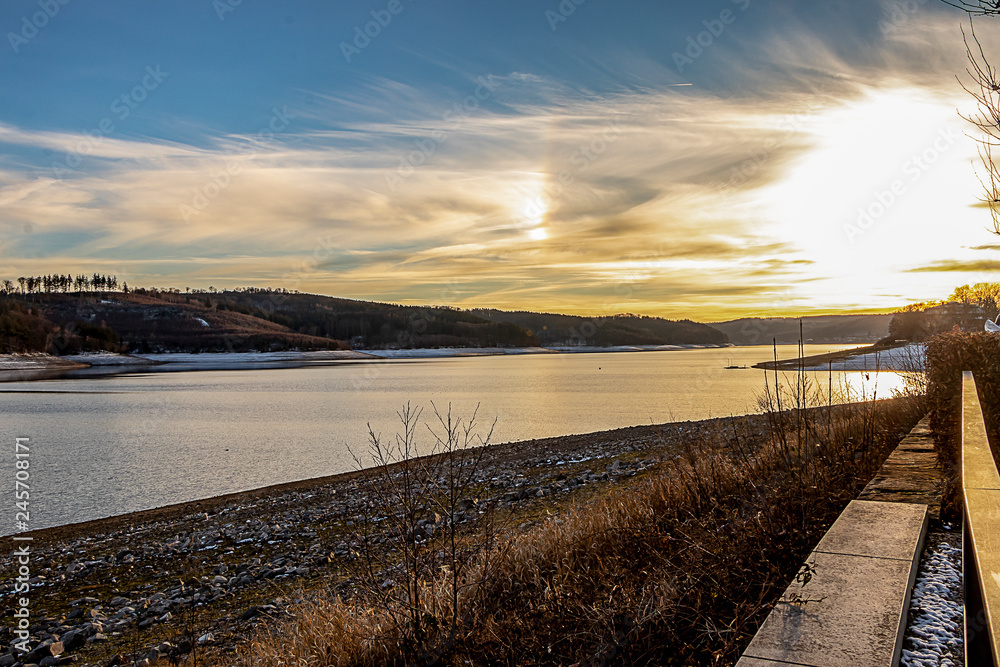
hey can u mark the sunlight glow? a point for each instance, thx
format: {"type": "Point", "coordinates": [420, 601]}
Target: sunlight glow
{"type": "Point", "coordinates": [532, 208]}
{"type": "Point", "coordinates": [861, 385]}
{"type": "Point", "coordinates": [885, 175]}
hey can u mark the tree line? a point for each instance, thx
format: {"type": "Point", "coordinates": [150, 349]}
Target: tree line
{"type": "Point", "coordinates": [967, 308]}
{"type": "Point", "coordinates": [62, 283]}
{"type": "Point", "coordinates": [984, 295]}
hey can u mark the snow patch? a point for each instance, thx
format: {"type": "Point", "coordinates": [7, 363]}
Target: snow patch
{"type": "Point", "coordinates": [934, 636]}
{"type": "Point", "coordinates": [907, 358]}
{"type": "Point", "coordinates": [633, 348]}
{"type": "Point", "coordinates": [434, 353]}
{"type": "Point", "coordinates": [238, 358]}
{"type": "Point", "coordinates": [106, 359]}
{"type": "Point", "coordinates": [32, 361]}
{"type": "Point", "coordinates": [497, 351]}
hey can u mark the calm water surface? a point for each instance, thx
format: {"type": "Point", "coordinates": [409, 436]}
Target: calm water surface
{"type": "Point", "coordinates": [109, 445]}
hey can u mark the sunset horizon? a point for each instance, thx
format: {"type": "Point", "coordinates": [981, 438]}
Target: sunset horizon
{"type": "Point", "coordinates": [507, 332]}
{"type": "Point", "coordinates": [744, 159]}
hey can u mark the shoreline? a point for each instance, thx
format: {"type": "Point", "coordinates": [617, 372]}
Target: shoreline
{"type": "Point", "coordinates": [175, 511]}
{"type": "Point", "coordinates": [111, 586]}
{"type": "Point", "coordinates": [209, 572]}
{"type": "Point", "coordinates": [45, 364]}
{"type": "Point", "coordinates": [897, 357]}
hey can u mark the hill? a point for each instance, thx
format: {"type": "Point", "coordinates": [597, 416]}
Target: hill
{"type": "Point", "coordinates": [234, 321]}
{"type": "Point", "coordinates": [367, 324]}
{"type": "Point", "coordinates": [819, 329]}
{"type": "Point", "coordinates": [572, 330]}
{"type": "Point", "coordinates": [52, 318]}
{"type": "Point", "coordinates": [142, 322]}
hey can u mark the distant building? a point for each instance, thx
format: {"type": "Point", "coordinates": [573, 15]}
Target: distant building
{"type": "Point", "coordinates": [919, 325]}
{"type": "Point", "coordinates": [968, 317]}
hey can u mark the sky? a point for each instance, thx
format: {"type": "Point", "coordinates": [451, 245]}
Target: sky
{"type": "Point", "coordinates": [706, 160]}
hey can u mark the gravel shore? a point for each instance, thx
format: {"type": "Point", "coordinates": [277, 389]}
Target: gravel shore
{"type": "Point", "coordinates": [157, 583]}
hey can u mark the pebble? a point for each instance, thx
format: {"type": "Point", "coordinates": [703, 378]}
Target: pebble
{"type": "Point", "coordinates": [276, 538]}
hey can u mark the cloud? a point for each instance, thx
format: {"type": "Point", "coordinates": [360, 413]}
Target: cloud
{"type": "Point", "coordinates": [958, 266]}
{"type": "Point", "coordinates": [95, 144]}
{"type": "Point", "coordinates": [630, 190]}
{"type": "Point", "coordinates": [538, 195]}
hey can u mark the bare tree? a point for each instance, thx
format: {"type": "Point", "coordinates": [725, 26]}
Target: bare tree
{"type": "Point", "coordinates": [979, 8]}
{"type": "Point", "coordinates": [985, 88]}
{"type": "Point", "coordinates": [427, 511]}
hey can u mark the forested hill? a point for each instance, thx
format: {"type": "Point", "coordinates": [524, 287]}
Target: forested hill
{"type": "Point", "coordinates": [236, 321]}
{"type": "Point", "coordinates": [367, 324]}
{"type": "Point", "coordinates": [566, 330]}
{"type": "Point", "coordinates": [46, 315]}
{"type": "Point", "coordinates": [816, 329]}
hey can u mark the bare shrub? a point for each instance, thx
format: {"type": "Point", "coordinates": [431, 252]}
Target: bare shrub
{"type": "Point", "coordinates": [678, 567]}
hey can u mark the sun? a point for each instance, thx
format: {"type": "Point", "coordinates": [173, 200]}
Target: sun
{"type": "Point", "coordinates": [533, 210]}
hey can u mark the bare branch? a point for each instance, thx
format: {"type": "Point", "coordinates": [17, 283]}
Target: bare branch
{"type": "Point", "coordinates": [980, 8]}
{"type": "Point", "coordinates": [985, 89]}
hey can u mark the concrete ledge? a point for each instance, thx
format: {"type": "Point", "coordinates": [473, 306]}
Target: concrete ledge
{"type": "Point", "coordinates": [981, 533]}
{"type": "Point", "coordinates": [979, 470]}
{"type": "Point", "coordinates": [877, 530]}
{"type": "Point", "coordinates": [848, 606]}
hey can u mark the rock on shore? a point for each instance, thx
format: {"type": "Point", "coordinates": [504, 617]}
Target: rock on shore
{"type": "Point", "coordinates": [222, 565]}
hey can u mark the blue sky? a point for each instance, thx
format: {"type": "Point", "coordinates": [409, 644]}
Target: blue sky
{"type": "Point", "coordinates": [699, 159]}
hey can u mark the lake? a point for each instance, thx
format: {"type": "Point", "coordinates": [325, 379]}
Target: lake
{"type": "Point", "coordinates": [112, 444]}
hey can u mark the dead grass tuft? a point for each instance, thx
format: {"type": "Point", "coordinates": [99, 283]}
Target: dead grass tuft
{"type": "Point", "coordinates": [677, 568]}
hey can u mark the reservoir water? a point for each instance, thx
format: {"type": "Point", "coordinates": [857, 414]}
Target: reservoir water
{"type": "Point", "coordinates": [112, 444]}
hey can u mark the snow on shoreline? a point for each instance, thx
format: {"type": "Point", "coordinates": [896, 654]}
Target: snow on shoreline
{"type": "Point", "coordinates": [227, 358]}
{"type": "Point", "coordinates": [35, 361]}
{"type": "Point", "coordinates": [106, 359]}
{"type": "Point", "coordinates": [38, 361]}
{"type": "Point", "coordinates": [437, 353]}
{"type": "Point", "coordinates": [909, 358]}
{"type": "Point", "coordinates": [635, 348]}
{"type": "Point", "coordinates": [237, 358]}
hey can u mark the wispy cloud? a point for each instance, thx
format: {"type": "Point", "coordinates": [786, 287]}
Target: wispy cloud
{"type": "Point", "coordinates": [960, 266]}
{"type": "Point", "coordinates": [687, 201]}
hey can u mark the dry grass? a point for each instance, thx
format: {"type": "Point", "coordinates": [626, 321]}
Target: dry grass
{"type": "Point", "coordinates": [677, 568]}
